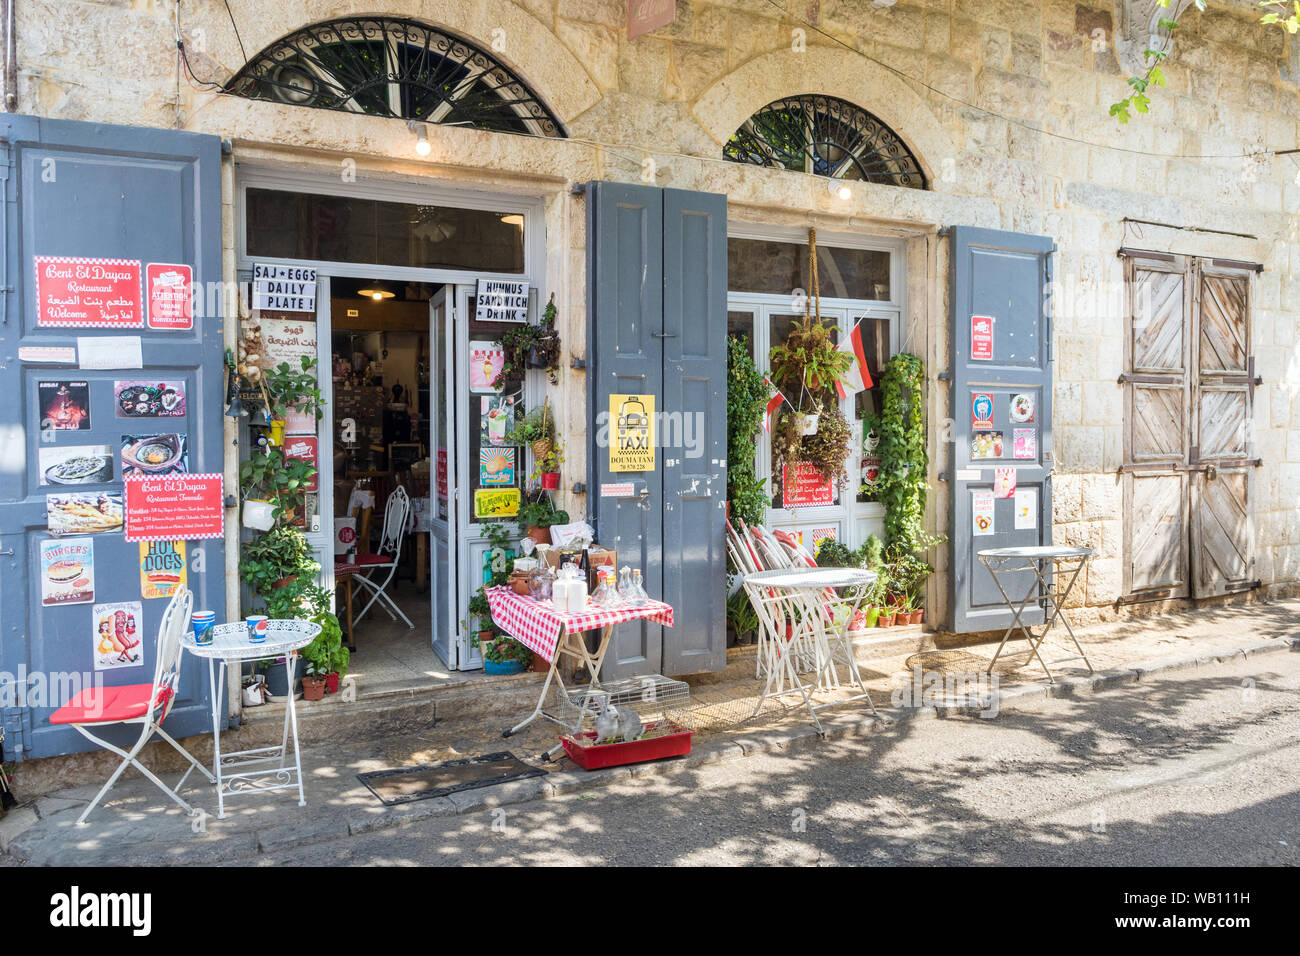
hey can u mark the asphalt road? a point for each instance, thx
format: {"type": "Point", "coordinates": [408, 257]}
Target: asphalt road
{"type": "Point", "coordinates": [1196, 768]}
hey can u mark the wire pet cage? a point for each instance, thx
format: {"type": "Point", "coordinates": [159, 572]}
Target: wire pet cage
{"type": "Point", "coordinates": [661, 703]}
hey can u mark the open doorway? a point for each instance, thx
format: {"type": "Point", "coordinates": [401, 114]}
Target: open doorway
{"type": "Point", "coordinates": [384, 401]}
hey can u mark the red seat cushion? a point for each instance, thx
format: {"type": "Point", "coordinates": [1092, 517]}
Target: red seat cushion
{"type": "Point", "coordinates": [103, 705]}
{"type": "Point", "coordinates": [369, 559]}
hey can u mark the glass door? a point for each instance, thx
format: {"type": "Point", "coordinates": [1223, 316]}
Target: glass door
{"type": "Point", "coordinates": [443, 575]}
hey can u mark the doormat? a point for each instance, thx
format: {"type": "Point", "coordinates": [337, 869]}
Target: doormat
{"type": "Point", "coordinates": [426, 781]}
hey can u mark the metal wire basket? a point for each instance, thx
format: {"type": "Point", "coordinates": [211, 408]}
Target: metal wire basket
{"type": "Point", "coordinates": [661, 703]}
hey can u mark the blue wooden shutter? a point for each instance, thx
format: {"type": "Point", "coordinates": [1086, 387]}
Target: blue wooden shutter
{"type": "Point", "coordinates": [96, 191]}
{"type": "Point", "coordinates": [1005, 276]}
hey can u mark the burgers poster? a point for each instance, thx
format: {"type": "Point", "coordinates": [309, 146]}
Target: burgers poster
{"type": "Point", "coordinates": [162, 568]}
{"type": "Point", "coordinates": [67, 571]}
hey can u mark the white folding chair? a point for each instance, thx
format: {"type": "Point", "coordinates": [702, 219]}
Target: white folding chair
{"type": "Point", "coordinates": [143, 704]}
{"type": "Point", "coordinates": [390, 553]}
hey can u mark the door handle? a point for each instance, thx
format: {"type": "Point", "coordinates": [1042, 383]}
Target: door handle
{"type": "Point", "coordinates": [663, 335]}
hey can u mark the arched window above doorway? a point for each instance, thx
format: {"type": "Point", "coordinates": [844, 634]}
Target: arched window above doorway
{"type": "Point", "coordinates": [825, 136]}
{"type": "Point", "coordinates": [398, 68]}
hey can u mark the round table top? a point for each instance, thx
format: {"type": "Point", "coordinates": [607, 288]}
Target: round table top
{"type": "Point", "coordinates": [230, 641]}
{"type": "Point", "coordinates": [1041, 551]}
{"type": "Point", "coordinates": [796, 578]}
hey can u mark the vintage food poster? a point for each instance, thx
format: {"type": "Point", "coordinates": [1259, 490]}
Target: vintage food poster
{"type": "Point", "coordinates": [1023, 408]}
{"type": "Point", "coordinates": [83, 512]}
{"type": "Point", "coordinates": [117, 637]}
{"type": "Point", "coordinates": [68, 571]}
{"type": "Point", "coordinates": [632, 436]}
{"type": "Point", "coordinates": [1026, 443]}
{"type": "Point", "coordinates": [1004, 482]}
{"type": "Point", "coordinates": [986, 445]}
{"type": "Point", "coordinates": [64, 405]}
{"type": "Point", "coordinates": [496, 418]}
{"type": "Point", "coordinates": [162, 568]}
{"type": "Point", "coordinates": [496, 466]}
{"type": "Point", "coordinates": [74, 465]}
{"type": "Point", "coordinates": [981, 513]}
{"type": "Point", "coordinates": [496, 502]}
{"type": "Point", "coordinates": [165, 454]}
{"type": "Point", "coordinates": [1026, 507]}
{"type": "Point", "coordinates": [486, 360]}
{"type": "Point", "coordinates": [149, 399]}
{"type": "Point", "coordinates": [981, 410]}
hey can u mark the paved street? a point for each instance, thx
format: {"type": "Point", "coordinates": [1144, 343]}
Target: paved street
{"type": "Point", "coordinates": [1196, 767]}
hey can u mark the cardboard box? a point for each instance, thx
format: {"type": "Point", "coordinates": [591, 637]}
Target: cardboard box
{"type": "Point", "coordinates": [597, 558]}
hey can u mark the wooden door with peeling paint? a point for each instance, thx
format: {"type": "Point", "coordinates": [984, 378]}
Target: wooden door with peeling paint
{"type": "Point", "coordinates": [1188, 440]}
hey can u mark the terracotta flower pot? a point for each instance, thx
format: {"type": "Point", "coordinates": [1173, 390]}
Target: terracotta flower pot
{"type": "Point", "coordinates": [886, 620]}
{"type": "Point", "coordinates": [539, 664]}
{"type": "Point", "coordinates": [313, 688]}
{"type": "Point", "coordinates": [540, 535]}
{"type": "Point", "coordinates": [917, 616]}
{"type": "Point", "coordinates": [550, 480]}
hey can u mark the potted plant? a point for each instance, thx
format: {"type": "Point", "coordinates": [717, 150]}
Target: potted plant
{"type": "Point", "coordinates": [538, 513]}
{"type": "Point", "coordinates": [747, 394]}
{"type": "Point", "coordinates": [313, 682]}
{"type": "Point", "coordinates": [276, 560]}
{"type": "Point", "coordinates": [481, 612]}
{"type": "Point", "coordinates": [811, 428]}
{"type": "Point", "coordinates": [742, 619]}
{"type": "Point", "coordinates": [505, 655]}
{"type": "Point", "coordinates": [530, 346]}
{"type": "Point", "coordinates": [285, 387]}
{"type": "Point", "coordinates": [272, 482]}
{"type": "Point", "coordinates": [537, 431]}
{"type": "Point", "coordinates": [325, 657]}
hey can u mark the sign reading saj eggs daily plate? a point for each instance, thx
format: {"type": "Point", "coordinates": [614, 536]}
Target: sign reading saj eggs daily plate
{"type": "Point", "coordinates": [68, 571]}
{"type": "Point", "coordinates": [632, 433]}
{"type": "Point", "coordinates": [162, 568]}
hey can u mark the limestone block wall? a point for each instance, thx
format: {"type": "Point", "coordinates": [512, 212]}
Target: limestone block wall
{"type": "Point", "coordinates": [1003, 101]}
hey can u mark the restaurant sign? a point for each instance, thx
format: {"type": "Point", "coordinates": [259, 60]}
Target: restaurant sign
{"type": "Point", "coordinates": [88, 293]}
{"type": "Point", "coordinates": [168, 507]}
{"type": "Point", "coordinates": [284, 288]}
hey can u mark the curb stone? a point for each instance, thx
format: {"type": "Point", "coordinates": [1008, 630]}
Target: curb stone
{"type": "Point", "coordinates": [559, 783]}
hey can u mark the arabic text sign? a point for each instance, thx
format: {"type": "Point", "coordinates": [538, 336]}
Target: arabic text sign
{"type": "Point", "coordinates": [167, 507]}
{"type": "Point", "coordinates": [803, 487]}
{"type": "Point", "coordinates": [88, 293]}
{"type": "Point", "coordinates": [288, 342]}
{"type": "Point", "coordinates": [284, 288]}
{"type": "Point", "coordinates": [501, 300]}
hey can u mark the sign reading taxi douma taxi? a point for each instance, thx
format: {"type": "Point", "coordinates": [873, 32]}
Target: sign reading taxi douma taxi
{"type": "Point", "coordinates": [632, 433]}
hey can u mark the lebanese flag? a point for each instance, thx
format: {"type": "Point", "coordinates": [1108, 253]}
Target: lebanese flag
{"type": "Point", "coordinates": [773, 403]}
{"type": "Point", "coordinates": [858, 375]}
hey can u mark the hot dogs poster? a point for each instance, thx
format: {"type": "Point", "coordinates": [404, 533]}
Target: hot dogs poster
{"type": "Point", "coordinates": [117, 635]}
{"type": "Point", "coordinates": [162, 568]}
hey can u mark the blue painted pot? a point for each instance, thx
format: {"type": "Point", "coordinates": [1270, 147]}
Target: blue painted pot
{"type": "Point", "coordinates": [507, 667]}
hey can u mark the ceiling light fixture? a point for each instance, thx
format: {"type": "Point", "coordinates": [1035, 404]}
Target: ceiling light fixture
{"type": "Point", "coordinates": [421, 132]}
{"type": "Point", "coordinates": [377, 291]}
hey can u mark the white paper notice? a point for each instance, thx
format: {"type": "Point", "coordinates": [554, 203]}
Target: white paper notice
{"type": "Point", "coordinates": [110, 351]}
{"type": "Point", "coordinates": [1026, 509]}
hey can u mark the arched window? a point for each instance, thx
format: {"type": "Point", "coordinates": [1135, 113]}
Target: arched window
{"type": "Point", "coordinates": [825, 136]}
{"type": "Point", "coordinates": [392, 67]}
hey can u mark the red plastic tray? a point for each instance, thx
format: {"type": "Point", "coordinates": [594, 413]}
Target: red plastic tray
{"type": "Point", "coordinates": [595, 757]}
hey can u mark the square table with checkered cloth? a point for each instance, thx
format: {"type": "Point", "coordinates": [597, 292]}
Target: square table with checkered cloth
{"type": "Point", "coordinates": [538, 625]}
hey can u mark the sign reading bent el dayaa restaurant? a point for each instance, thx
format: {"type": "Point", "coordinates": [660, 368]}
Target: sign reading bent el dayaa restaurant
{"type": "Point", "coordinates": [88, 293]}
{"type": "Point", "coordinates": [171, 507]}
{"type": "Point", "coordinates": [632, 433]}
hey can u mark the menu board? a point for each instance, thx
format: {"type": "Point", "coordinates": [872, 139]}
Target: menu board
{"type": "Point", "coordinates": [803, 487]}
{"type": "Point", "coordinates": [168, 507]}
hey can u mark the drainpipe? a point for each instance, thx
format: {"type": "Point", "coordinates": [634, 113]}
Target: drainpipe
{"type": "Point", "coordinates": [10, 59]}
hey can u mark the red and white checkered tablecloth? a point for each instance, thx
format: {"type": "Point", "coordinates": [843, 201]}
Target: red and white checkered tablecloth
{"type": "Point", "coordinates": [536, 624]}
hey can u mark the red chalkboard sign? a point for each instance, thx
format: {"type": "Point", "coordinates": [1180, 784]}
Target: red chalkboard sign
{"type": "Point", "coordinates": [803, 487]}
{"type": "Point", "coordinates": [88, 293]}
{"type": "Point", "coordinates": [168, 507]}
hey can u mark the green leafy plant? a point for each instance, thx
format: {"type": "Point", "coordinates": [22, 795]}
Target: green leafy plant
{"type": "Point", "coordinates": [273, 556]}
{"type": "Point", "coordinates": [903, 457]}
{"type": "Point", "coordinates": [539, 343]}
{"type": "Point", "coordinates": [506, 649]}
{"type": "Point", "coordinates": [539, 511]}
{"type": "Point", "coordinates": [294, 388]}
{"type": "Point", "coordinates": [536, 425]}
{"type": "Point", "coordinates": [807, 362]}
{"type": "Point", "coordinates": [326, 653]}
{"type": "Point", "coordinates": [746, 402]}
{"type": "Point", "coordinates": [500, 536]}
{"type": "Point", "coordinates": [740, 614]}
{"type": "Point", "coordinates": [269, 475]}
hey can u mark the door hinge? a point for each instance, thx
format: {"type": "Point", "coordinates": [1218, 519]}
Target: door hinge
{"type": "Point", "coordinates": [16, 725]}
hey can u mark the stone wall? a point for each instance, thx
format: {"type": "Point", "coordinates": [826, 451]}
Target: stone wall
{"type": "Point", "coordinates": [969, 84]}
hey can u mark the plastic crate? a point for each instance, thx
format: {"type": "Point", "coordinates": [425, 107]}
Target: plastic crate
{"type": "Point", "coordinates": [593, 756]}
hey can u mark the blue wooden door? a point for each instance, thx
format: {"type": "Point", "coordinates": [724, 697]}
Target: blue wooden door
{"type": "Point", "coordinates": [1002, 412]}
{"type": "Point", "coordinates": [94, 192]}
{"type": "Point", "coordinates": [657, 282]}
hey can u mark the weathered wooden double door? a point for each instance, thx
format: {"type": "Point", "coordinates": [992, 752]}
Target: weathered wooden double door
{"type": "Point", "coordinates": [1188, 422]}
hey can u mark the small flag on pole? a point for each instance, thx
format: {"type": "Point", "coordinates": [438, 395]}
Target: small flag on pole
{"type": "Point", "coordinates": [858, 375]}
{"type": "Point", "coordinates": [773, 403]}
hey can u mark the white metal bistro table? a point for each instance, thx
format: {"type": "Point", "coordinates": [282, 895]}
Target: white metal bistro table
{"type": "Point", "coordinates": [238, 772]}
{"type": "Point", "coordinates": [805, 615]}
{"type": "Point", "coordinates": [1066, 563]}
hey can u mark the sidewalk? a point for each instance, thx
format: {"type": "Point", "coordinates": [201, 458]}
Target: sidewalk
{"type": "Point", "coordinates": [138, 825]}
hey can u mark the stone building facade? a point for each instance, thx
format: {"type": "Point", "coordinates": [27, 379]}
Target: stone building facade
{"type": "Point", "coordinates": [1003, 102]}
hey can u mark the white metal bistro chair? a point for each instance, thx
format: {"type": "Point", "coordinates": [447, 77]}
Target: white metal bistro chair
{"type": "Point", "coordinates": [373, 566]}
{"type": "Point", "coordinates": [143, 704]}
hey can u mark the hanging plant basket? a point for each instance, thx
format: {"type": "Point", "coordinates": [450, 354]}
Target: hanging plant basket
{"type": "Point", "coordinates": [541, 448]}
